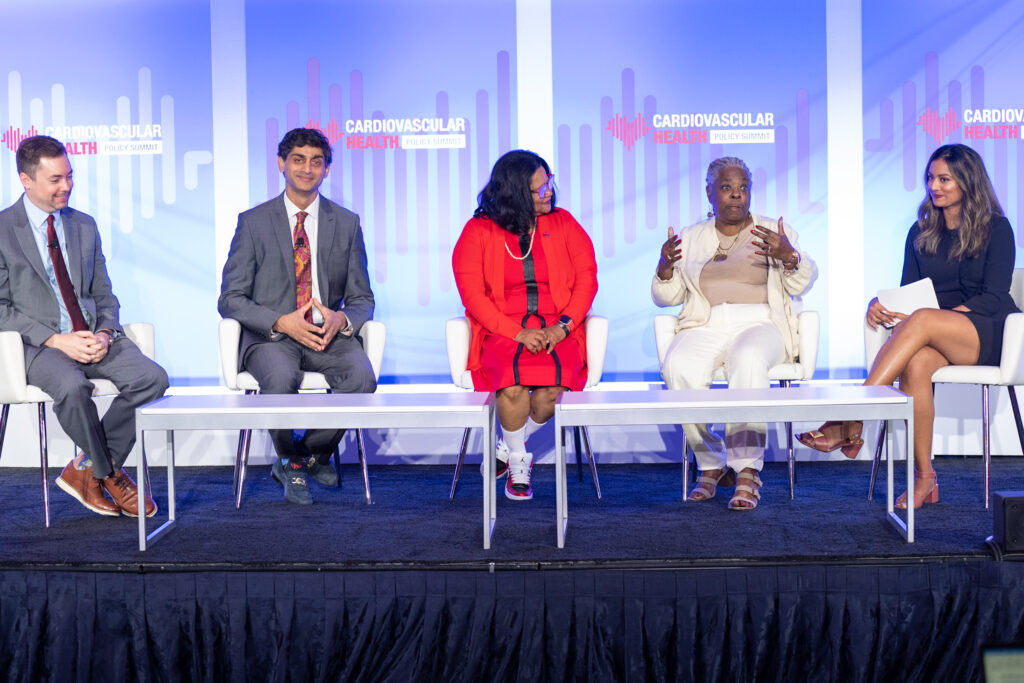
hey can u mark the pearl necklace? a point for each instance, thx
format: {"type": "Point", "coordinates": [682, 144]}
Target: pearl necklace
{"type": "Point", "coordinates": [533, 233]}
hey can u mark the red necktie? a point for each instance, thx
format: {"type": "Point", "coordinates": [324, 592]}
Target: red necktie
{"type": "Point", "coordinates": [67, 291]}
{"type": "Point", "coordinates": [303, 267]}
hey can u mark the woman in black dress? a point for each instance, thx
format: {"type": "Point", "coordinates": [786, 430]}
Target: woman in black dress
{"type": "Point", "coordinates": [962, 241]}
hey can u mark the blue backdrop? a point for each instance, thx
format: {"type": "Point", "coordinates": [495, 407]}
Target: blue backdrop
{"type": "Point", "coordinates": [642, 96]}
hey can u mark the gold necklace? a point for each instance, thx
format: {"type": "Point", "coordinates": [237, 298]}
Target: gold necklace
{"type": "Point", "coordinates": [722, 253]}
{"type": "Point", "coordinates": [533, 233]}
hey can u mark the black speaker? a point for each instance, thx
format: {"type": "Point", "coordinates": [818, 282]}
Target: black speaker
{"type": "Point", "coordinates": [1008, 520]}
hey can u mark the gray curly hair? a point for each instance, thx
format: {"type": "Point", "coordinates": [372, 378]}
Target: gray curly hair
{"type": "Point", "coordinates": [722, 163]}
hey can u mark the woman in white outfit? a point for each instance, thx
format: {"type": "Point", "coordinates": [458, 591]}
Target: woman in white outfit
{"type": "Point", "coordinates": [734, 275]}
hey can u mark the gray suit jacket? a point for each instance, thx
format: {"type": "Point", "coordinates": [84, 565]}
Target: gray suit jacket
{"type": "Point", "coordinates": [27, 302]}
{"type": "Point", "coordinates": [258, 284]}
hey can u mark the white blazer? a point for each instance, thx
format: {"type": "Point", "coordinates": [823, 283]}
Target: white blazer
{"type": "Point", "coordinates": [698, 244]}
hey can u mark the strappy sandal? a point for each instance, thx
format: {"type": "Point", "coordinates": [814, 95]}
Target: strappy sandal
{"type": "Point", "coordinates": [850, 445]}
{"type": "Point", "coordinates": [928, 492]}
{"type": "Point", "coordinates": [747, 482]}
{"type": "Point", "coordinates": [708, 483]}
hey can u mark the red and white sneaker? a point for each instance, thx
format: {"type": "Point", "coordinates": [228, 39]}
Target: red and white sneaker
{"type": "Point", "coordinates": [520, 466]}
{"type": "Point", "coordinates": [500, 460]}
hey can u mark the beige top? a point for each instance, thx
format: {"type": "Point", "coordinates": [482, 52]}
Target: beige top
{"type": "Point", "coordinates": [735, 274]}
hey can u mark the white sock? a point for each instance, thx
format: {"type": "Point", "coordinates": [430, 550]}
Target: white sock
{"type": "Point", "coordinates": [515, 440]}
{"type": "Point", "coordinates": [532, 427]}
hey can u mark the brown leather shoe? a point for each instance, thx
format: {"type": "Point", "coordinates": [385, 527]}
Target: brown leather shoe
{"type": "Point", "coordinates": [126, 494]}
{"type": "Point", "coordinates": [85, 488]}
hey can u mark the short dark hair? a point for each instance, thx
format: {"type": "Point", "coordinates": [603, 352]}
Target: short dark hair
{"type": "Point", "coordinates": [32, 149]}
{"type": "Point", "coordinates": [304, 137]}
{"type": "Point", "coordinates": [506, 198]}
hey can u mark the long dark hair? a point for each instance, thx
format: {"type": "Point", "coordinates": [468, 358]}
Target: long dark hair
{"type": "Point", "coordinates": [976, 209]}
{"type": "Point", "coordinates": [506, 198]}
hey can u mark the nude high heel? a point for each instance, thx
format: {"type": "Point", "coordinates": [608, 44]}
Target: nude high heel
{"type": "Point", "coordinates": [927, 492]}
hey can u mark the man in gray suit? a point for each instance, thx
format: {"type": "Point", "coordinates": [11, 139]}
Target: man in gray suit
{"type": "Point", "coordinates": [55, 292]}
{"type": "Point", "coordinates": [296, 280]}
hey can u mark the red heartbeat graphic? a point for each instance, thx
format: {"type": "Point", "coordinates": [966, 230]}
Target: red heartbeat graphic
{"type": "Point", "coordinates": [939, 127]}
{"type": "Point", "coordinates": [332, 132]}
{"type": "Point", "coordinates": [13, 136]}
{"type": "Point", "coordinates": [628, 131]}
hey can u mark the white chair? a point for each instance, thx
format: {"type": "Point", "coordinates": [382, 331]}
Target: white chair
{"type": "Point", "coordinates": [15, 389]}
{"type": "Point", "coordinates": [1008, 373]}
{"type": "Point", "coordinates": [372, 334]}
{"type": "Point", "coordinates": [783, 373]}
{"type": "Point", "coordinates": [457, 337]}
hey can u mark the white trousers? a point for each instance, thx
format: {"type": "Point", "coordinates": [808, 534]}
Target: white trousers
{"type": "Point", "coordinates": [742, 339]}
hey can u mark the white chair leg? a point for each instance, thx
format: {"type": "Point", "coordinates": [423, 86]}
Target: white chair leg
{"type": "Point", "coordinates": [362, 461]}
{"type": "Point", "coordinates": [242, 464]}
{"type": "Point", "coordinates": [791, 460]}
{"type": "Point", "coordinates": [686, 467]}
{"type": "Point", "coordinates": [579, 452]}
{"type": "Point", "coordinates": [790, 453]}
{"type": "Point", "coordinates": [882, 426]}
{"type": "Point", "coordinates": [44, 460]}
{"type": "Point", "coordinates": [242, 460]}
{"type": "Point", "coordinates": [986, 444]}
{"type": "Point", "coordinates": [590, 459]}
{"type": "Point", "coordinates": [4, 411]}
{"type": "Point", "coordinates": [458, 463]}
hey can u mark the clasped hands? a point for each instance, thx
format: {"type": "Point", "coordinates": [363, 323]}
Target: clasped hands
{"type": "Point", "coordinates": [316, 337]}
{"type": "Point", "coordinates": [536, 340]}
{"type": "Point", "coordinates": [82, 347]}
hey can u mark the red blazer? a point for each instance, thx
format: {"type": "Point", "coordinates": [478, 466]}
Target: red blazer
{"type": "Point", "coordinates": [479, 264]}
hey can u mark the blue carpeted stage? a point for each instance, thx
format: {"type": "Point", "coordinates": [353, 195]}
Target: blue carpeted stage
{"type": "Point", "coordinates": [648, 588]}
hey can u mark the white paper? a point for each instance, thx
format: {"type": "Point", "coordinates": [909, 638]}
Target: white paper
{"type": "Point", "coordinates": [909, 298]}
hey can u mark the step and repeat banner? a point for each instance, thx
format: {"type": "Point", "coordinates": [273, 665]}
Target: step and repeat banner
{"type": "Point", "coordinates": [419, 100]}
{"type": "Point", "coordinates": [936, 73]}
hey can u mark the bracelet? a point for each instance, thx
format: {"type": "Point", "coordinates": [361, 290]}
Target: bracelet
{"type": "Point", "coordinates": [795, 265]}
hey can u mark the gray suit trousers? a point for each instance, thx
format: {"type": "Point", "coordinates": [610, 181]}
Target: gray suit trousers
{"type": "Point", "coordinates": [108, 441]}
{"type": "Point", "coordinates": [278, 367]}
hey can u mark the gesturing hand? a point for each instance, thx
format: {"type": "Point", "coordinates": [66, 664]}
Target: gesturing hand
{"type": "Point", "coordinates": [533, 339]}
{"type": "Point", "coordinates": [773, 244]}
{"type": "Point", "coordinates": [295, 326]}
{"type": "Point", "coordinates": [670, 253]}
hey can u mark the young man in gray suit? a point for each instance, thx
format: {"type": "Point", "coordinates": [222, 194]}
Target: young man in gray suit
{"type": "Point", "coordinates": [296, 279]}
{"type": "Point", "coordinates": [55, 292]}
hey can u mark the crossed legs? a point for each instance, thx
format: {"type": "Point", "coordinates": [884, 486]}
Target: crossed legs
{"type": "Point", "coordinates": [920, 345]}
{"type": "Point", "coordinates": [925, 341]}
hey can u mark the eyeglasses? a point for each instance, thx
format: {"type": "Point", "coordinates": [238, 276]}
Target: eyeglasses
{"type": "Point", "coordinates": [549, 185]}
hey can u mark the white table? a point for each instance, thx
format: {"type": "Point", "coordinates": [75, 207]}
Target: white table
{"type": "Point", "coordinates": [316, 411]}
{"type": "Point", "coordinates": [800, 404]}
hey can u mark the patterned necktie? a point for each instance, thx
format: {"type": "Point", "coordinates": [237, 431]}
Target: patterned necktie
{"type": "Point", "coordinates": [303, 268]}
{"type": "Point", "coordinates": [67, 291]}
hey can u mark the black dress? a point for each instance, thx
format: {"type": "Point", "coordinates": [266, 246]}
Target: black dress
{"type": "Point", "coordinates": [982, 283]}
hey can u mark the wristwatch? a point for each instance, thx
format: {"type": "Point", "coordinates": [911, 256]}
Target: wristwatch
{"type": "Point", "coordinates": [565, 322]}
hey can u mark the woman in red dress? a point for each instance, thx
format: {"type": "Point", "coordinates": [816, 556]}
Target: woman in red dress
{"type": "Point", "coordinates": [527, 276]}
